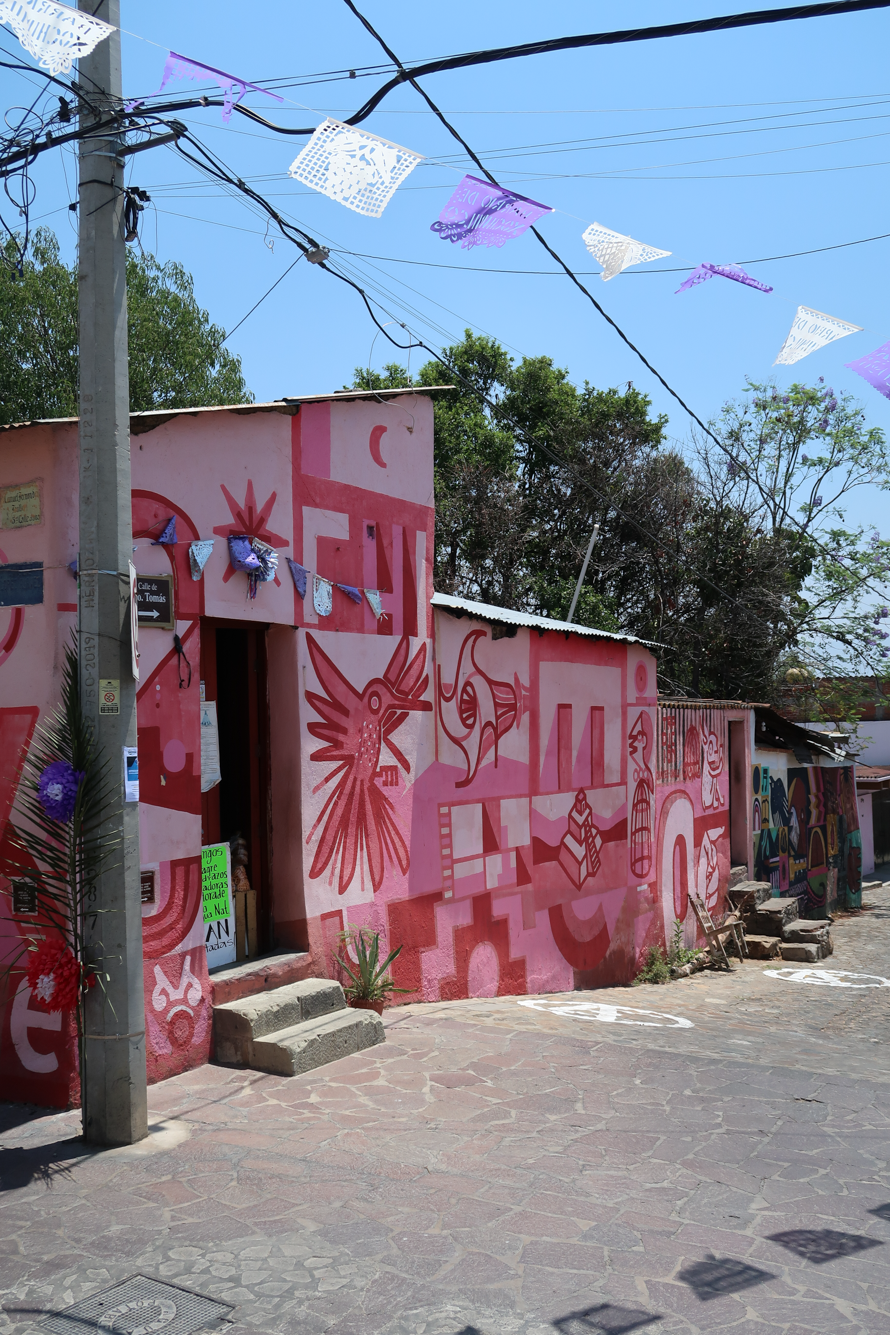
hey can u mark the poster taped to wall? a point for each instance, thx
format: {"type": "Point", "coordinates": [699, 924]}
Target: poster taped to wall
{"type": "Point", "coordinates": [210, 772]}
{"type": "Point", "coordinates": [216, 896]}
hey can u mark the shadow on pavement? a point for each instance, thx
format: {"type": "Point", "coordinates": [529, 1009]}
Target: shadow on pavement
{"type": "Point", "coordinates": [604, 1319]}
{"type": "Point", "coordinates": [882, 1211]}
{"type": "Point", "coordinates": [714, 1278]}
{"type": "Point", "coordinates": [824, 1244]}
{"type": "Point", "coordinates": [20, 1167]}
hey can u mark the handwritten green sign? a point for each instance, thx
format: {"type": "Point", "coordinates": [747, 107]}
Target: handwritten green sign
{"type": "Point", "coordinates": [215, 882]}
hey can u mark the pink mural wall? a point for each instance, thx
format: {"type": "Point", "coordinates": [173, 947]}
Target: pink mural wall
{"type": "Point", "coordinates": [692, 852]}
{"type": "Point", "coordinates": [501, 802]}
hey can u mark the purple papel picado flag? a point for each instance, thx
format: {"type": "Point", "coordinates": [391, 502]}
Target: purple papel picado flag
{"type": "Point", "coordinates": [482, 214]}
{"type": "Point", "coordinates": [874, 367]}
{"type": "Point", "coordinates": [706, 271]}
{"type": "Point", "coordinates": [180, 67]}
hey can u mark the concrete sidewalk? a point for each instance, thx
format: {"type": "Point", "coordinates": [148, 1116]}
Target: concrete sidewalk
{"type": "Point", "coordinates": [502, 1167]}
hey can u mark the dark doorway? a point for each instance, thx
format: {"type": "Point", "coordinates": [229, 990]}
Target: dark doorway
{"type": "Point", "coordinates": [880, 809]}
{"type": "Point", "coordinates": [233, 673]}
{"type": "Point", "coordinates": [738, 797]}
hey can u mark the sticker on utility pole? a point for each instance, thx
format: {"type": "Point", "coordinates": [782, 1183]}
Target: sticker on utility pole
{"type": "Point", "coordinates": [154, 601]}
{"type": "Point", "coordinates": [219, 920]}
{"type": "Point", "coordinates": [109, 695]}
{"type": "Point", "coordinates": [210, 771]}
{"type": "Point", "coordinates": [131, 774]}
{"type": "Point", "coordinates": [134, 623]}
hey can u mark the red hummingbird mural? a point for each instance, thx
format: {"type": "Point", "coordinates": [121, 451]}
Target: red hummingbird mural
{"type": "Point", "coordinates": [357, 818]}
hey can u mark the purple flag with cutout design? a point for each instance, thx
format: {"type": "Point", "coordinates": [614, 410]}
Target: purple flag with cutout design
{"type": "Point", "coordinates": [875, 368]}
{"type": "Point", "coordinates": [482, 214]}
{"type": "Point", "coordinates": [706, 271]}
{"type": "Point", "coordinates": [180, 67]}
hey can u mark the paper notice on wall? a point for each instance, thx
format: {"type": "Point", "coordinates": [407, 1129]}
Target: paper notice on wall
{"type": "Point", "coordinates": [216, 895]}
{"type": "Point", "coordinates": [210, 773]}
{"type": "Point", "coordinates": [131, 774]}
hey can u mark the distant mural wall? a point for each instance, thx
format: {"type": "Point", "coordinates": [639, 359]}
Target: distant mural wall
{"type": "Point", "coordinates": [692, 786]}
{"type": "Point", "coordinates": [491, 811]}
{"type": "Point", "coordinates": [805, 828]}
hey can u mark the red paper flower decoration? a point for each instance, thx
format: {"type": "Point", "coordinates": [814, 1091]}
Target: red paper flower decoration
{"type": "Point", "coordinates": [55, 976]}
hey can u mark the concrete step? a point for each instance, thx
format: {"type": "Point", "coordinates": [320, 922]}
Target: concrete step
{"type": "Point", "coordinates": [260, 975]}
{"type": "Point", "coordinates": [314, 1043]}
{"type": "Point", "coordinates": [801, 953]}
{"type": "Point", "coordinates": [238, 1025]}
{"type": "Point", "coordinates": [762, 947]}
{"type": "Point", "coordinates": [771, 916]}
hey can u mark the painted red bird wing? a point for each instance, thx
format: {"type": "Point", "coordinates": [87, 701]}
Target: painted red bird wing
{"type": "Point", "coordinates": [339, 829]}
{"type": "Point", "coordinates": [396, 664]}
{"type": "Point", "coordinates": [339, 708]}
{"type": "Point", "coordinates": [409, 682]}
{"type": "Point", "coordinates": [384, 836]}
{"type": "Point", "coordinates": [341, 693]}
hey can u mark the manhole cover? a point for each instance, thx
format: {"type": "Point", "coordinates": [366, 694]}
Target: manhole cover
{"type": "Point", "coordinates": [139, 1306]}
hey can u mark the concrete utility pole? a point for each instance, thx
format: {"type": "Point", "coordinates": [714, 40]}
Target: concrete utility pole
{"type": "Point", "coordinates": [114, 1093]}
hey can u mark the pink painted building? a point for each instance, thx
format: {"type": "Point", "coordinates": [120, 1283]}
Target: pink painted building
{"type": "Point", "coordinates": [494, 792]}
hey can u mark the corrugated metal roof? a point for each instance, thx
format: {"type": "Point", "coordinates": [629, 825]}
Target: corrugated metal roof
{"type": "Point", "coordinates": [505, 616]}
{"type": "Point", "coordinates": [145, 421]}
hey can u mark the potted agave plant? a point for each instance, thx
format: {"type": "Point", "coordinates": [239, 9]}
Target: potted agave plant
{"type": "Point", "coordinates": [369, 982]}
{"type": "Point", "coordinates": [63, 837]}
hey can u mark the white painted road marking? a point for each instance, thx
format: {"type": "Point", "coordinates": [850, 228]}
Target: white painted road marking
{"type": "Point", "coordinates": [828, 977]}
{"type": "Point", "coordinates": [600, 1010]}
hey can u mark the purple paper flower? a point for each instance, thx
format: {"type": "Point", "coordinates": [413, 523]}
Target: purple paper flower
{"type": "Point", "coordinates": [57, 790]}
{"type": "Point", "coordinates": [804, 458]}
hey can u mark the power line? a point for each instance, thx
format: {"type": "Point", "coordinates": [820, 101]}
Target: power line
{"type": "Point", "coordinates": [410, 77]}
{"type": "Point", "coordinates": [628, 273]}
{"type": "Point", "coordinates": [722, 23]}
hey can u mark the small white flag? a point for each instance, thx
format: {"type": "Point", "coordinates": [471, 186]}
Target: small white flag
{"type": "Point", "coordinates": [373, 598]}
{"type": "Point", "coordinates": [354, 168]}
{"type": "Point", "coordinates": [55, 35]}
{"type": "Point", "coordinates": [616, 252]}
{"type": "Point", "coordinates": [199, 555]}
{"type": "Point", "coordinates": [811, 330]}
{"type": "Point", "coordinates": [322, 595]}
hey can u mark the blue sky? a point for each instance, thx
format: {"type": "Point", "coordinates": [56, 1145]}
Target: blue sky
{"type": "Point", "coordinates": [724, 147]}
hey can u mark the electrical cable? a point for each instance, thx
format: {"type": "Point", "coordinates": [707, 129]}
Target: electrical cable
{"type": "Point", "coordinates": [261, 300]}
{"type": "Point", "coordinates": [721, 23]}
{"type": "Point", "coordinates": [410, 77]}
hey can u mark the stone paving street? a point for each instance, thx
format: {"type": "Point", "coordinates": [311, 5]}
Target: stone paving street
{"type": "Point", "coordinates": [500, 1167]}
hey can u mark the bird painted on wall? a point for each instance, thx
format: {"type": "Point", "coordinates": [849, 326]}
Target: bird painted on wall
{"type": "Point", "coordinates": [358, 819]}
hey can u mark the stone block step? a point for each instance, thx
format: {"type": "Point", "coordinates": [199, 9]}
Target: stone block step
{"type": "Point", "coordinates": [737, 875]}
{"type": "Point", "coordinates": [306, 1046]}
{"type": "Point", "coordinates": [753, 891]}
{"type": "Point", "coordinates": [237, 1025]}
{"type": "Point", "coordinates": [762, 947]}
{"type": "Point", "coordinates": [802, 931]}
{"type": "Point", "coordinates": [801, 953]}
{"type": "Point", "coordinates": [259, 975]}
{"type": "Point", "coordinates": [771, 916]}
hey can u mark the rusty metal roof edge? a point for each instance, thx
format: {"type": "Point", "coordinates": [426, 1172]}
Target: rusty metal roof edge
{"type": "Point", "coordinates": [527, 620]}
{"type": "Point", "coordinates": [287, 405]}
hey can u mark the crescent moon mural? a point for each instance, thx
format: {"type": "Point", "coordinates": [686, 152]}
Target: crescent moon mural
{"type": "Point", "coordinates": [377, 432]}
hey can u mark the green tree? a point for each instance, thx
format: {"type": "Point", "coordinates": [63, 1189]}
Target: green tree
{"type": "Point", "coordinates": [733, 556]}
{"type": "Point", "coordinates": [792, 460]}
{"type": "Point", "coordinates": [176, 355]}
